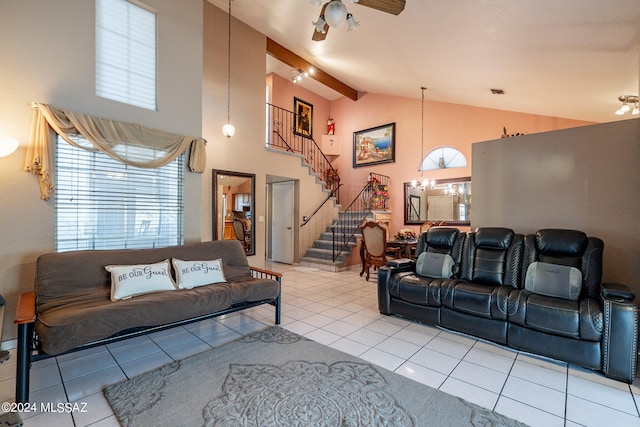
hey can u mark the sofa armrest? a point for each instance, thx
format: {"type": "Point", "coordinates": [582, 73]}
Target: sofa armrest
{"type": "Point", "coordinates": [384, 277]}
{"type": "Point", "coordinates": [620, 339]}
{"type": "Point", "coordinates": [401, 263]}
{"type": "Point", "coordinates": [26, 310]}
{"type": "Point", "coordinates": [268, 274]}
{"type": "Point", "coordinates": [616, 291]}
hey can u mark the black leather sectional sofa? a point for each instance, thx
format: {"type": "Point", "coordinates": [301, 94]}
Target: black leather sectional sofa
{"type": "Point", "coordinates": [540, 293]}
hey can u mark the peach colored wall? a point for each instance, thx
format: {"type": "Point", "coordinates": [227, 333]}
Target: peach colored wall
{"type": "Point", "coordinates": [445, 124]}
{"type": "Point", "coordinates": [282, 93]}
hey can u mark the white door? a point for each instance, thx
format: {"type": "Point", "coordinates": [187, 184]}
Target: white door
{"type": "Point", "coordinates": [283, 222]}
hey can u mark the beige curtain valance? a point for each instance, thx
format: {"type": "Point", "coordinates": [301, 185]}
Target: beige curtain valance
{"type": "Point", "coordinates": [111, 137]}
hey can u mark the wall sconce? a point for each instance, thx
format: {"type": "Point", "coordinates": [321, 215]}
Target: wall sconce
{"type": "Point", "coordinates": [8, 145]}
{"type": "Point", "coordinates": [627, 102]}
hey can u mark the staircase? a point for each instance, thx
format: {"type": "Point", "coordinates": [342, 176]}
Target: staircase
{"type": "Point", "coordinates": [320, 255]}
{"type": "Point", "coordinates": [334, 250]}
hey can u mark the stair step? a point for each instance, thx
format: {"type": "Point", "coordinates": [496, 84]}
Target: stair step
{"type": "Point", "coordinates": [328, 244]}
{"type": "Point", "coordinates": [319, 253]}
{"type": "Point", "coordinates": [323, 264]}
{"type": "Point", "coordinates": [328, 236]}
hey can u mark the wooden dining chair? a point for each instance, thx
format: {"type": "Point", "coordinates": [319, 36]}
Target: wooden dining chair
{"type": "Point", "coordinates": [374, 241]}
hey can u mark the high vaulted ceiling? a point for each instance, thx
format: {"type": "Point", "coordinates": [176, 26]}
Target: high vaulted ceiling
{"type": "Point", "coordinates": [564, 58]}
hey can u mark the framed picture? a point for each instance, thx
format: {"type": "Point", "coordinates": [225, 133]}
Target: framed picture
{"type": "Point", "coordinates": [374, 146]}
{"type": "Point", "coordinates": [303, 118]}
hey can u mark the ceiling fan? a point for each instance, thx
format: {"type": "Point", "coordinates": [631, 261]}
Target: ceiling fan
{"type": "Point", "coordinates": [334, 13]}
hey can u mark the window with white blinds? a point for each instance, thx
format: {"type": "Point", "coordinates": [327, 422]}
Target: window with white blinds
{"type": "Point", "coordinates": [101, 203]}
{"type": "Point", "coordinates": [126, 53]}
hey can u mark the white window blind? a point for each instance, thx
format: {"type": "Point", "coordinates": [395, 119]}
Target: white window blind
{"type": "Point", "coordinates": [104, 204]}
{"type": "Point", "coordinates": [126, 53]}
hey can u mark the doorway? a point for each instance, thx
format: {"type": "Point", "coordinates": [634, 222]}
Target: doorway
{"type": "Point", "coordinates": [282, 217]}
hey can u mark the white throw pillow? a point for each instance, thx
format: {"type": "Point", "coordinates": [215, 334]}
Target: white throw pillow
{"type": "Point", "coordinates": [190, 274]}
{"type": "Point", "coordinates": [554, 280]}
{"type": "Point", "coordinates": [130, 280]}
{"type": "Point", "coordinates": [431, 264]}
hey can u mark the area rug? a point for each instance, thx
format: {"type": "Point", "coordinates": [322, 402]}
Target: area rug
{"type": "Point", "coordinates": [277, 378]}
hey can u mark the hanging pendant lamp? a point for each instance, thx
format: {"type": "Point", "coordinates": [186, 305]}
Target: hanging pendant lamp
{"type": "Point", "coordinates": [422, 183]}
{"type": "Point", "coordinates": [228, 129]}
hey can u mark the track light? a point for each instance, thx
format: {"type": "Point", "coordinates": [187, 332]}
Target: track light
{"type": "Point", "coordinates": [627, 102]}
{"type": "Point", "coordinates": [298, 74]}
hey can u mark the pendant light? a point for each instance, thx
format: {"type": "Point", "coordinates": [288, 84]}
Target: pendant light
{"type": "Point", "coordinates": [228, 130]}
{"type": "Point", "coordinates": [422, 183]}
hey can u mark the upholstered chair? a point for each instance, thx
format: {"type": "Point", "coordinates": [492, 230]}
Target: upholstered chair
{"type": "Point", "coordinates": [241, 234]}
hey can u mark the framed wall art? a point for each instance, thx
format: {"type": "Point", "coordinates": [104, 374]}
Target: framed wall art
{"type": "Point", "coordinates": [374, 146]}
{"type": "Point", "coordinates": [303, 118]}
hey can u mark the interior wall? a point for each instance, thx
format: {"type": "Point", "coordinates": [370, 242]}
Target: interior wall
{"type": "Point", "coordinates": [47, 51]}
{"type": "Point", "coordinates": [445, 124]}
{"type": "Point", "coordinates": [245, 151]}
{"type": "Point", "coordinates": [585, 178]}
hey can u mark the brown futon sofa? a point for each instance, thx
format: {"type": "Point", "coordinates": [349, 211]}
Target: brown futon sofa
{"type": "Point", "coordinates": [72, 306]}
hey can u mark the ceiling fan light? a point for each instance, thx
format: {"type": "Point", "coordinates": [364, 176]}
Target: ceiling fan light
{"type": "Point", "coordinates": [335, 13]}
{"type": "Point", "coordinates": [320, 24]}
{"type": "Point", "coordinates": [625, 107]}
{"type": "Point", "coordinates": [353, 24]}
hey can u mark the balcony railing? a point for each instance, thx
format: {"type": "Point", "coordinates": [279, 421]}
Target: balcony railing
{"type": "Point", "coordinates": [282, 136]}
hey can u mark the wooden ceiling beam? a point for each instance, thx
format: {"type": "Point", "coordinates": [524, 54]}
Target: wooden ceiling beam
{"type": "Point", "coordinates": [283, 54]}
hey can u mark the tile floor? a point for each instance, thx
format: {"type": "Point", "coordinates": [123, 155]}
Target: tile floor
{"type": "Point", "coordinates": [340, 310]}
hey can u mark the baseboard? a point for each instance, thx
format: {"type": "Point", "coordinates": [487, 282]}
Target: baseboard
{"type": "Point", "coordinates": [9, 345]}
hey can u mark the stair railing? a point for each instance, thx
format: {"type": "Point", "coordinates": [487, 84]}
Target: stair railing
{"type": "Point", "coordinates": [285, 138]}
{"type": "Point", "coordinates": [373, 196]}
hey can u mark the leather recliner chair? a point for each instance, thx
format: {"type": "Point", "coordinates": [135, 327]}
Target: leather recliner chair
{"type": "Point", "coordinates": [477, 303]}
{"type": "Point", "coordinates": [418, 296]}
{"type": "Point", "coordinates": [579, 328]}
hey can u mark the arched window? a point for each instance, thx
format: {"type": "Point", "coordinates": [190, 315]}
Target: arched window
{"type": "Point", "coordinates": [443, 158]}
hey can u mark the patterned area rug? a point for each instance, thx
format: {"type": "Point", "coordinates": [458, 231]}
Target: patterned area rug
{"type": "Point", "coordinates": [277, 378]}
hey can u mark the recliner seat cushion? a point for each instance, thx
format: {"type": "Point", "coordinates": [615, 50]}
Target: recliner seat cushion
{"type": "Point", "coordinates": [487, 301]}
{"type": "Point", "coordinates": [558, 316]}
{"type": "Point", "coordinates": [416, 289]}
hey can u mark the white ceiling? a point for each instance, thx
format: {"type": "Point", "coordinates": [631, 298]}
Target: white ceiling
{"type": "Point", "coordinates": [564, 58]}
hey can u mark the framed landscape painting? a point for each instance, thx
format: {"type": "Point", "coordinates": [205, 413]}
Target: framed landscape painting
{"type": "Point", "coordinates": [303, 118]}
{"type": "Point", "coordinates": [374, 146]}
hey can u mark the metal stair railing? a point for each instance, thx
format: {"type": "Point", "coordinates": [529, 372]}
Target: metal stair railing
{"type": "Point", "coordinates": [282, 123]}
{"type": "Point", "coordinates": [374, 195]}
